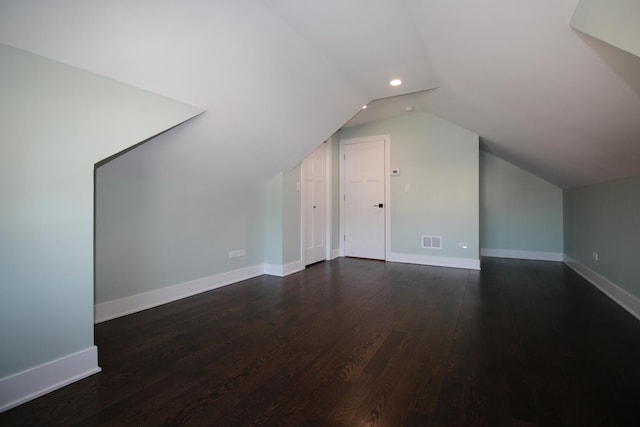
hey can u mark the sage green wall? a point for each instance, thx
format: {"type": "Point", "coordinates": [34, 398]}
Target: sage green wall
{"type": "Point", "coordinates": [273, 242]}
{"type": "Point", "coordinates": [439, 161]}
{"type": "Point", "coordinates": [282, 218]}
{"type": "Point", "coordinates": [605, 218]}
{"type": "Point", "coordinates": [291, 215]}
{"type": "Point", "coordinates": [153, 233]}
{"type": "Point", "coordinates": [56, 122]}
{"type": "Point", "coordinates": [518, 210]}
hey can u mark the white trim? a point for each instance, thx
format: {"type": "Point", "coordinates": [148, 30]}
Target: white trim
{"type": "Point", "coordinates": [623, 298]}
{"type": "Point", "coordinates": [328, 195]}
{"type": "Point", "coordinates": [515, 254]}
{"type": "Point", "coordinates": [387, 195]}
{"type": "Point", "coordinates": [387, 187]}
{"type": "Point", "coordinates": [283, 270]}
{"type": "Point", "coordinates": [27, 385]}
{"type": "Point", "coordinates": [303, 216]}
{"type": "Point", "coordinates": [120, 307]}
{"type": "Point", "coordinates": [341, 198]}
{"type": "Point", "coordinates": [292, 267]}
{"type": "Point", "coordinates": [274, 270]}
{"type": "Point", "coordinates": [335, 253]}
{"type": "Point", "coordinates": [438, 261]}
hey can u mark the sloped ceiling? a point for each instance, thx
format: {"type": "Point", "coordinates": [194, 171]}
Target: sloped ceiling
{"type": "Point", "coordinates": [558, 103]}
{"type": "Point", "coordinates": [616, 22]}
{"type": "Point", "coordinates": [277, 77]}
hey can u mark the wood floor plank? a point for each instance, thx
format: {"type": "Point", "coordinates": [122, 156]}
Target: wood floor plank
{"type": "Point", "coordinates": [356, 342]}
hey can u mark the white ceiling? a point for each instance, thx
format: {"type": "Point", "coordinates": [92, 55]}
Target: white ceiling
{"type": "Point", "coordinates": [277, 77]}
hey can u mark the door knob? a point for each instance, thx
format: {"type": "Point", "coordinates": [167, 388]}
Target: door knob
{"type": "Point", "coordinates": [379, 205]}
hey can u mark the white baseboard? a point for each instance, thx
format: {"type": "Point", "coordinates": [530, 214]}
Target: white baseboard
{"type": "Point", "coordinates": [623, 298]}
{"type": "Point", "coordinates": [273, 270]}
{"type": "Point", "coordinates": [283, 270]}
{"type": "Point", "coordinates": [335, 253]}
{"type": "Point", "coordinates": [292, 267]}
{"type": "Point", "coordinates": [438, 261]}
{"type": "Point", "coordinates": [120, 307]}
{"type": "Point", "coordinates": [514, 254]}
{"type": "Point", "coordinates": [19, 388]}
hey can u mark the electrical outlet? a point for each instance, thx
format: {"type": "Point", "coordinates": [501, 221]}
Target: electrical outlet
{"type": "Point", "coordinates": [237, 253]}
{"type": "Point", "coordinates": [595, 256]}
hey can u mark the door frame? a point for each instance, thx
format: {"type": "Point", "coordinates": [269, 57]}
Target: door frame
{"type": "Point", "coordinates": [387, 188]}
{"type": "Point", "coordinates": [327, 203]}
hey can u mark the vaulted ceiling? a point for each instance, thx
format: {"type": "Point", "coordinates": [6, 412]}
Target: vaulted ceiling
{"type": "Point", "coordinates": [277, 77]}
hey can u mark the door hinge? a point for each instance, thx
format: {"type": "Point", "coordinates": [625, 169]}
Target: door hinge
{"type": "Point", "coordinates": [344, 157]}
{"type": "Point", "coordinates": [345, 237]}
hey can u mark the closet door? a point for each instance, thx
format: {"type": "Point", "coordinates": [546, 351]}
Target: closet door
{"type": "Point", "coordinates": [315, 184]}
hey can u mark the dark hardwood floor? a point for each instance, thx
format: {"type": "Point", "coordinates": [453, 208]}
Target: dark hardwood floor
{"type": "Point", "coordinates": [355, 342]}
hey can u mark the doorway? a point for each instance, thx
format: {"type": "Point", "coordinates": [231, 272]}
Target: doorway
{"type": "Point", "coordinates": [314, 206]}
{"type": "Point", "coordinates": [364, 197]}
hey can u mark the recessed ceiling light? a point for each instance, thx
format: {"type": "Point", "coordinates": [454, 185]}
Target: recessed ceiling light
{"type": "Point", "coordinates": [364, 107]}
{"type": "Point", "coordinates": [395, 82]}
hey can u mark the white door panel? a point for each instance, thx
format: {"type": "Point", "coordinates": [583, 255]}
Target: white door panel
{"type": "Point", "coordinates": [314, 174]}
{"type": "Point", "coordinates": [364, 209]}
{"type": "Point", "coordinates": [318, 216]}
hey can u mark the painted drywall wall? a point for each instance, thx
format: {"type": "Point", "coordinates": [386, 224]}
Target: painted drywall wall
{"type": "Point", "coordinates": [153, 233]}
{"type": "Point", "coordinates": [519, 212]}
{"type": "Point", "coordinates": [438, 161]}
{"type": "Point", "coordinates": [615, 22]}
{"type": "Point", "coordinates": [605, 219]}
{"type": "Point", "coordinates": [56, 122]}
{"type": "Point", "coordinates": [273, 242]}
{"type": "Point", "coordinates": [291, 215]}
{"type": "Point", "coordinates": [154, 237]}
{"type": "Point", "coordinates": [282, 218]}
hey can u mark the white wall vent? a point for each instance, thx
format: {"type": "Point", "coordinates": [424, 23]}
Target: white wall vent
{"type": "Point", "coordinates": [432, 242]}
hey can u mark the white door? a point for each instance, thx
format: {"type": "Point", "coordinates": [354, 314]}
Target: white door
{"type": "Point", "coordinates": [364, 198]}
{"type": "Point", "coordinates": [314, 176]}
